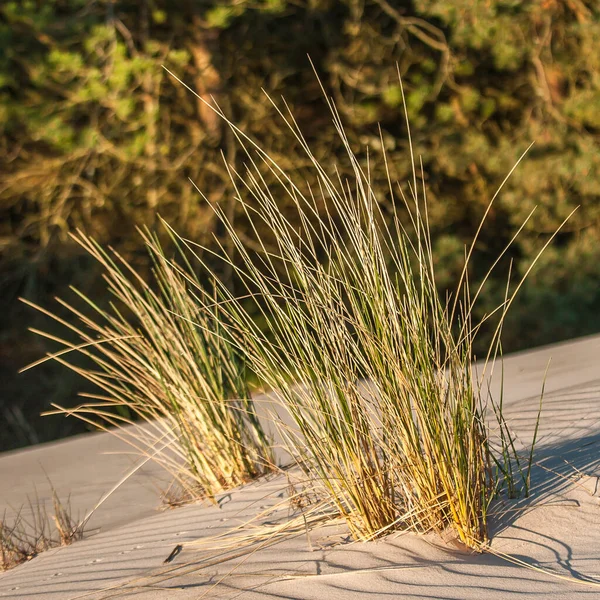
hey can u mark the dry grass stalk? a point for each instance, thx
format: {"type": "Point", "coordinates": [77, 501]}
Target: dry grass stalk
{"type": "Point", "coordinates": [25, 537]}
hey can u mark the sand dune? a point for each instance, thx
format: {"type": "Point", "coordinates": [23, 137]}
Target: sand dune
{"type": "Point", "coordinates": [556, 530]}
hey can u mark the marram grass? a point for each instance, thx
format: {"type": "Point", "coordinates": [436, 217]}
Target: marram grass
{"type": "Point", "coordinates": [161, 360]}
{"type": "Point", "coordinates": [373, 366]}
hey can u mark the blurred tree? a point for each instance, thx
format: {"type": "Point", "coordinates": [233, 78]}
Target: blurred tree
{"type": "Point", "coordinates": [96, 135]}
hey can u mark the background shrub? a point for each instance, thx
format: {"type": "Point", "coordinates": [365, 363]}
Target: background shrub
{"type": "Point", "coordinates": [94, 134]}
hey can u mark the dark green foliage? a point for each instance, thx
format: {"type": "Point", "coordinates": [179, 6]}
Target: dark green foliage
{"type": "Point", "coordinates": [95, 134]}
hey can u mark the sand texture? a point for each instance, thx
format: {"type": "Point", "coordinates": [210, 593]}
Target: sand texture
{"type": "Point", "coordinates": [557, 529]}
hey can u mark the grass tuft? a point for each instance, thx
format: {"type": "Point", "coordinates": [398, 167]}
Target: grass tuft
{"type": "Point", "coordinates": [25, 537]}
{"type": "Point", "coordinates": [373, 367]}
{"type": "Point", "coordinates": [162, 360]}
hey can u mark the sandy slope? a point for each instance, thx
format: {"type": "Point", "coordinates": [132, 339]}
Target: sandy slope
{"type": "Point", "coordinates": [559, 529]}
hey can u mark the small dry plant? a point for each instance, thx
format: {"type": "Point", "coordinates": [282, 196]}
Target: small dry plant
{"type": "Point", "coordinates": [373, 366]}
{"type": "Point", "coordinates": [163, 363]}
{"type": "Point", "coordinates": [25, 537]}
